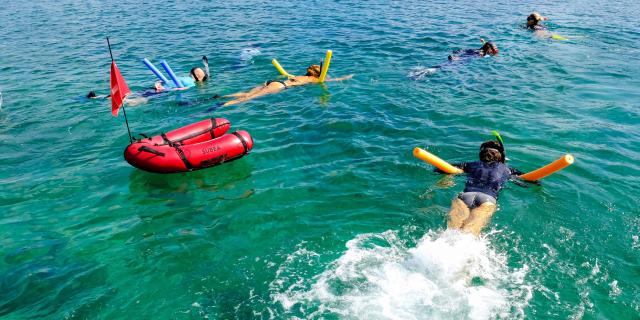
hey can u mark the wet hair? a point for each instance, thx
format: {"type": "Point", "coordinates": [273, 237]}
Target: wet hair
{"type": "Point", "coordinates": [92, 94]}
{"type": "Point", "coordinates": [193, 74]}
{"type": "Point", "coordinates": [534, 17]}
{"type": "Point", "coordinates": [489, 155]}
{"type": "Point", "coordinates": [313, 71]}
{"type": "Point", "coordinates": [490, 151]}
{"type": "Point", "coordinates": [489, 46]}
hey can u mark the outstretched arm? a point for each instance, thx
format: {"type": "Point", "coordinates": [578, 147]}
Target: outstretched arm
{"type": "Point", "coordinates": [515, 178]}
{"type": "Point", "coordinates": [339, 79]}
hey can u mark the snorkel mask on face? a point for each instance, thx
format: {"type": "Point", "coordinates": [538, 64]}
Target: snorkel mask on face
{"type": "Point", "coordinates": [206, 75]}
{"type": "Point", "coordinates": [496, 145]}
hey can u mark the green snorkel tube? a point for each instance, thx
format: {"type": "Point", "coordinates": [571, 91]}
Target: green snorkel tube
{"type": "Point", "coordinates": [504, 153]}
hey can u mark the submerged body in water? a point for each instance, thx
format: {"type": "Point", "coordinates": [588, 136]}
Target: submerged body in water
{"type": "Point", "coordinates": [456, 58]}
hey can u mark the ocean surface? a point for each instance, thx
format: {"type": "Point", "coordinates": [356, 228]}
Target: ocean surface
{"type": "Point", "coordinates": [330, 216]}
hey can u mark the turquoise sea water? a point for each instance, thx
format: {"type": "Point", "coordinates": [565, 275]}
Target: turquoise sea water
{"type": "Point", "coordinates": [330, 216]}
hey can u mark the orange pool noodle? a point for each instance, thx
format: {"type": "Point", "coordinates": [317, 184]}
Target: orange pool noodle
{"type": "Point", "coordinates": [435, 161]}
{"type": "Point", "coordinates": [552, 167]}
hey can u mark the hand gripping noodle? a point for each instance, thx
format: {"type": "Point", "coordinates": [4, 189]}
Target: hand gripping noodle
{"type": "Point", "coordinates": [325, 65]}
{"type": "Point", "coordinates": [155, 70]}
{"type": "Point", "coordinates": [557, 165]}
{"type": "Point", "coordinates": [435, 161]}
{"type": "Point", "coordinates": [280, 68]}
{"type": "Point", "coordinates": [172, 75]}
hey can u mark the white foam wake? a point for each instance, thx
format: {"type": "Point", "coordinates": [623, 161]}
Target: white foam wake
{"type": "Point", "coordinates": [419, 73]}
{"type": "Point", "coordinates": [448, 275]}
{"type": "Point", "coordinates": [247, 54]}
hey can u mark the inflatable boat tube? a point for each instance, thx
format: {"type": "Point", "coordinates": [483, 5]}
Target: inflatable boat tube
{"type": "Point", "coordinates": [280, 68]}
{"type": "Point", "coordinates": [196, 146]}
{"type": "Point", "coordinates": [155, 70]}
{"type": "Point", "coordinates": [435, 161]}
{"type": "Point", "coordinates": [196, 132]}
{"type": "Point", "coordinates": [172, 75]}
{"type": "Point", "coordinates": [325, 65]}
{"type": "Point", "coordinates": [553, 167]}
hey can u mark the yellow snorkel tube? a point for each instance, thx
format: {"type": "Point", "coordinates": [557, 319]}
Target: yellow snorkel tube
{"type": "Point", "coordinates": [325, 65]}
{"type": "Point", "coordinates": [280, 68]}
{"type": "Point", "coordinates": [323, 71]}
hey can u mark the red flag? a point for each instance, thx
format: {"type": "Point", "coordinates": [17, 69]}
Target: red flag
{"type": "Point", "coordinates": [119, 89]}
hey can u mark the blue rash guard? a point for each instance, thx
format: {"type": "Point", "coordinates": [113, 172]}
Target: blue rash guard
{"type": "Point", "coordinates": [487, 178]}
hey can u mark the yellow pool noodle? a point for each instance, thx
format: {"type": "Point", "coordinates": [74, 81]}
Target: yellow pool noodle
{"type": "Point", "coordinates": [325, 65]}
{"type": "Point", "coordinates": [558, 37]}
{"type": "Point", "coordinates": [280, 68]}
{"type": "Point", "coordinates": [435, 161]}
{"type": "Point", "coordinates": [552, 167]}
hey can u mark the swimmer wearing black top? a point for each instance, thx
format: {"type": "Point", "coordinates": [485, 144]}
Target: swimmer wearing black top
{"type": "Point", "coordinates": [488, 48]}
{"type": "Point", "coordinates": [472, 209]}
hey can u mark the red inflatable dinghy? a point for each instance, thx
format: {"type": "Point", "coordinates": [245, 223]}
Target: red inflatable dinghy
{"type": "Point", "coordinates": [196, 146]}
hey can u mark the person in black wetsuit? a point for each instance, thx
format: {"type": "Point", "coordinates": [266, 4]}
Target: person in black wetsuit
{"type": "Point", "coordinates": [472, 209]}
{"type": "Point", "coordinates": [487, 49]}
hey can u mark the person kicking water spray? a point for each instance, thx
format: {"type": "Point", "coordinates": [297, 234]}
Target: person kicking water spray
{"type": "Point", "coordinates": [472, 209]}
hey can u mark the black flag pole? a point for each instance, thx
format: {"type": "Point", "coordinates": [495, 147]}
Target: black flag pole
{"type": "Point", "coordinates": [124, 111]}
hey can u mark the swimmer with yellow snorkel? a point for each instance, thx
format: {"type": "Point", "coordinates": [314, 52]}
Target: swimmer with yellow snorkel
{"type": "Point", "coordinates": [540, 30]}
{"type": "Point", "coordinates": [275, 86]}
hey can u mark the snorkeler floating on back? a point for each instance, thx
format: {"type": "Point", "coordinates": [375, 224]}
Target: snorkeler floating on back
{"type": "Point", "coordinates": [487, 49]}
{"type": "Point", "coordinates": [138, 98]}
{"type": "Point", "coordinates": [196, 75]}
{"type": "Point", "coordinates": [275, 86]}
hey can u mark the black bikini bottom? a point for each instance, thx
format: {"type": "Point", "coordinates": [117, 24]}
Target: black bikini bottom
{"type": "Point", "coordinates": [278, 81]}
